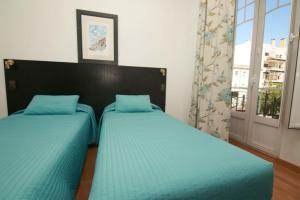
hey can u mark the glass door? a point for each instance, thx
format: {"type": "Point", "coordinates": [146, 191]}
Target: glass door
{"type": "Point", "coordinates": [272, 60]}
{"type": "Point", "coordinates": [260, 63]}
{"type": "Point", "coordinates": [245, 31]}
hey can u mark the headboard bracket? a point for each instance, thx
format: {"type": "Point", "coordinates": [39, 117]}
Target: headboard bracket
{"type": "Point", "coordinates": [8, 63]}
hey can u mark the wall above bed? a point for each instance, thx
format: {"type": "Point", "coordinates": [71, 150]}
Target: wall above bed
{"type": "Point", "coordinates": [160, 33]}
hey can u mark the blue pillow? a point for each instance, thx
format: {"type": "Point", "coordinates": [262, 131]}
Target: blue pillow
{"type": "Point", "coordinates": [52, 105]}
{"type": "Point", "coordinates": [133, 103]}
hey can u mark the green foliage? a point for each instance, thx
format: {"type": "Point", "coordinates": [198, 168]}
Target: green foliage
{"type": "Point", "coordinates": [234, 94]}
{"type": "Point", "coordinates": [269, 100]}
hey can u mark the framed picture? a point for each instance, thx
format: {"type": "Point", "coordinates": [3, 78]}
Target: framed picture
{"type": "Point", "coordinates": [97, 36]}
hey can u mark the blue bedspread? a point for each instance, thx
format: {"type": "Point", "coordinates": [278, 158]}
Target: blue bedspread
{"type": "Point", "coordinates": [153, 156]}
{"type": "Point", "coordinates": [41, 156]}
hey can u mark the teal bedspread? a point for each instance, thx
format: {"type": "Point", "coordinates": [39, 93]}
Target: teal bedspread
{"type": "Point", "coordinates": [153, 156]}
{"type": "Point", "coordinates": [41, 156]}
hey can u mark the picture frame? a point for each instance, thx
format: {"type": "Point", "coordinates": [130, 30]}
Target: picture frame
{"type": "Point", "coordinates": [97, 37]}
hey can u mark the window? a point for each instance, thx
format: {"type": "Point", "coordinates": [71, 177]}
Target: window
{"type": "Point", "coordinates": [275, 37]}
{"type": "Point", "coordinates": [243, 41]}
{"type": "Point", "coordinates": [269, 67]}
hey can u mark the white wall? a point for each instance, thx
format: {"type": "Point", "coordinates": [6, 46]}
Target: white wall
{"type": "Point", "coordinates": [154, 33]}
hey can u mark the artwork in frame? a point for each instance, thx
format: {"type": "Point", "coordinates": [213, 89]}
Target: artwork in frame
{"type": "Point", "coordinates": [97, 36]}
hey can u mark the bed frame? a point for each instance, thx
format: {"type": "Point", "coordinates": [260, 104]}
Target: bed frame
{"type": "Point", "coordinates": [97, 84]}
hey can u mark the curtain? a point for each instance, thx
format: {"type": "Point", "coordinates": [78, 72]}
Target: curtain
{"type": "Point", "coordinates": [211, 97]}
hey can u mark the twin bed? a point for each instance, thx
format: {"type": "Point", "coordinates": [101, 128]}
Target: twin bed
{"type": "Point", "coordinates": [150, 155]}
{"type": "Point", "coordinates": [41, 156]}
{"type": "Point", "coordinates": [142, 154]}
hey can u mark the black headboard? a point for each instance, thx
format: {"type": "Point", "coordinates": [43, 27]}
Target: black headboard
{"type": "Point", "coordinates": [96, 84]}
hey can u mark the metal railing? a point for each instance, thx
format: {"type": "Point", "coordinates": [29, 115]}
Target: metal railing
{"type": "Point", "coordinates": [238, 103]}
{"type": "Point", "coordinates": [268, 103]}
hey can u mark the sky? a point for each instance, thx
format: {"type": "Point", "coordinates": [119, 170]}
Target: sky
{"type": "Point", "coordinates": [277, 22]}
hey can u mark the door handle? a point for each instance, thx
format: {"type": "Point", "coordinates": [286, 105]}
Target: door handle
{"type": "Point", "coordinates": [292, 37]}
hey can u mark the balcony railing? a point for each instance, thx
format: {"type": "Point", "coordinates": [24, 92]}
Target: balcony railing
{"type": "Point", "coordinates": [238, 103]}
{"type": "Point", "coordinates": [268, 102]}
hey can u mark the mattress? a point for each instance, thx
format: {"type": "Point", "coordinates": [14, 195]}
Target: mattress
{"type": "Point", "coordinates": [41, 156]}
{"type": "Point", "coordinates": [153, 156]}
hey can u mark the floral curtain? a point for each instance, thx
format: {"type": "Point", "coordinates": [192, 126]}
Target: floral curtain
{"type": "Point", "coordinates": [211, 100]}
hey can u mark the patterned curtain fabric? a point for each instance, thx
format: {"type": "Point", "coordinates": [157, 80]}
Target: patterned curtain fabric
{"type": "Point", "coordinates": [211, 100]}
